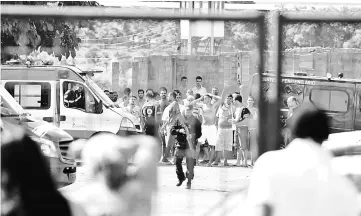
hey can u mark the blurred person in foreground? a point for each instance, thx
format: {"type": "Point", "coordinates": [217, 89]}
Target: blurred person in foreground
{"type": "Point", "coordinates": [299, 180]}
{"type": "Point", "coordinates": [27, 187]}
{"type": "Point", "coordinates": [118, 188]}
{"type": "Point", "coordinates": [186, 133]}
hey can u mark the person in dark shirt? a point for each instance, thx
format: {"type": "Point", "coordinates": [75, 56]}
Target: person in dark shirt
{"type": "Point", "coordinates": [292, 104]}
{"type": "Point", "coordinates": [150, 123]}
{"type": "Point", "coordinates": [80, 98]}
{"type": "Point", "coordinates": [186, 131]}
{"type": "Point", "coordinates": [193, 123]}
{"type": "Point", "coordinates": [72, 97]}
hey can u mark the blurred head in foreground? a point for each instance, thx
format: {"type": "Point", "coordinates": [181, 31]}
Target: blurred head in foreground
{"type": "Point", "coordinates": [116, 187]}
{"type": "Point", "coordinates": [105, 156]}
{"type": "Point", "coordinates": [27, 187]}
{"type": "Point", "coordinates": [310, 122]}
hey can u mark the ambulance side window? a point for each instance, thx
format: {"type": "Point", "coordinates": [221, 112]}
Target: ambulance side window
{"type": "Point", "coordinates": [78, 96]}
{"type": "Point", "coordinates": [330, 100]}
{"type": "Point", "coordinates": [31, 95]}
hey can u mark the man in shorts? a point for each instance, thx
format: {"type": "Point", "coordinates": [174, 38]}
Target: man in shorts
{"type": "Point", "coordinates": [209, 129]}
{"type": "Point", "coordinates": [224, 133]}
{"type": "Point", "coordinates": [241, 121]}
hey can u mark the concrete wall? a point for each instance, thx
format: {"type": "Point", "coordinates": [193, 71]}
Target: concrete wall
{"type": "Point", "coordinates": [157, 71]}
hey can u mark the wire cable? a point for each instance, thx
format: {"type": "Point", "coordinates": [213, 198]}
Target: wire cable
{"type": "Point", "coordinates": [130, 41]}
{"type": "Point", "coordinates": [148, 44]}
{"type": "Point", "coordinates": [109, 38]}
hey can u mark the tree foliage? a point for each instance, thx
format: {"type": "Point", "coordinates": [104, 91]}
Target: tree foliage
{"type": "Point", "coordinates": [126, 38]}
{"type": "Point", "coordinates": [55, 36]}
{"type": "Point", "coordinates": [330, 35]}
{"type": "Point", "coordinates": [244, 35]}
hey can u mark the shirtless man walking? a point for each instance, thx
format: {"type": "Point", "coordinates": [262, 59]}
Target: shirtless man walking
{"type": "Point", "coordinates": [209, 129]}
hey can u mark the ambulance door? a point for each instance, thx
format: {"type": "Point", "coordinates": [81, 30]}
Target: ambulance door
{"type": "Point", "coordinates": [358, 108]}
{"type": "Point", "coordinates": [79, 109]}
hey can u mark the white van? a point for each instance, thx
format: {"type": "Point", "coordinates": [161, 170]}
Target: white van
{"type": "Point", "coordinates": [48, 92]}
{"type": "Point", "coordinates": [53, 142]}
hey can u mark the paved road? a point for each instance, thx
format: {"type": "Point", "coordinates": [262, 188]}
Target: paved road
{"type": "Point", "coordinates": [210, 185]}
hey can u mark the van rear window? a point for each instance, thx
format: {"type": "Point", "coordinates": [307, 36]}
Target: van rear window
{"type": "Point", "coordinates": [30, 95]}
{"type": "Point", "coordinates": [330, 100]}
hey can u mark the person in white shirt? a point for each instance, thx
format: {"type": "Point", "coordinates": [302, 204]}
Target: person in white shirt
{"type": "Point", "coordinates": [133, 109]}
{"type": "Point", "coordinates": [199, 88]}
{"type": "Point", "coordinates": [299, 180]}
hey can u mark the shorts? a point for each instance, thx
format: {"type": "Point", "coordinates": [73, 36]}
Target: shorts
{"type": "Point", "coordinates": [224, 139]}
{"type": "Point", "coordinates": [243, 135]}
{"type": "Point", "coordinates": [236, 140]}
{"type": "Point", "coordinates": [151, 130]}
{"type": "Point", "coordinates": [209, 133]}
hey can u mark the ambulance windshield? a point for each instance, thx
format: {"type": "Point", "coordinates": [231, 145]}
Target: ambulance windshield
{"type": "Point", "coordinates": [97, 90]}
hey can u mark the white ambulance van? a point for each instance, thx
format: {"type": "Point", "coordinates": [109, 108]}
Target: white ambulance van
{"type": "Point", "coordinates": [67, 97]}
{"type": "Point", "coordinates": [53, 142]}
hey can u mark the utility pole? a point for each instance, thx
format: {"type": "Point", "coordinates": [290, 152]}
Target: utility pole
{"type": "Point", "coordinates": [212, 9]}
{"type": "Point", "coordinates": [190, 7]}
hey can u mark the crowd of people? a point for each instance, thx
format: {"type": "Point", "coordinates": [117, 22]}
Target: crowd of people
{"type": "Point", "coordinates": [208, 124]}
{"type": "Point", "coordinates": [299, 187]}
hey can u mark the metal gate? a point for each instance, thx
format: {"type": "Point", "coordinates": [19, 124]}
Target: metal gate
{"type": "Point", "coordinates": [269, 127]}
